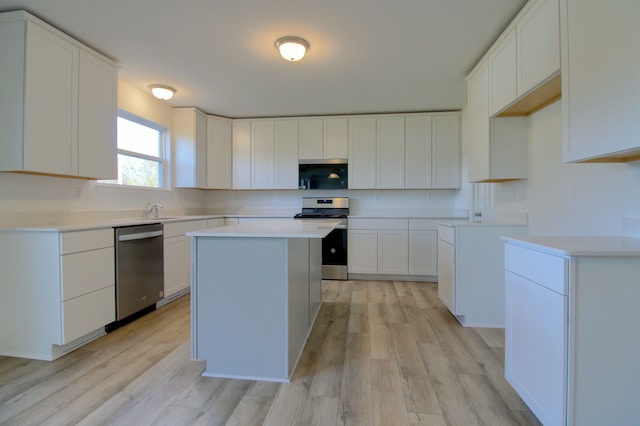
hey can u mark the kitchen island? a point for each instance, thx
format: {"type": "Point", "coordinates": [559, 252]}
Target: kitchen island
{"type": "Point", "coordinates": [256, 289]}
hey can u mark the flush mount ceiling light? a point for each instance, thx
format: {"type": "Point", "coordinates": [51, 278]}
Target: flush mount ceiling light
{"type": "Point", "coordinates": [161, 91]}
{"type": "Point", "coordinates": [292, 48]}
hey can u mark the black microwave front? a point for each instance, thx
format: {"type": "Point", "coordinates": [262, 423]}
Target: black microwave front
{"type": "Point", "coordinates": [323, 174]}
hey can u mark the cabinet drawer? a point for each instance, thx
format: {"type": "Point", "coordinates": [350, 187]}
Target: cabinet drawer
{"type": "Point", "coordinates": [447, 234]}
{"type": "Point", "coordinates": [423, 224]}
{"type": "Point", "coordinates": [379, 224]}
{"type": "Point", "coordinates": [545, 269]}
{"type": "Point", "coordinates": [74, 242]}
{"type": "Point", "coordinates": [175, 229]}
{"type": "Point", "coordinates": [85, 272]}
{"type": "Point", "coordinates": [87, 313]}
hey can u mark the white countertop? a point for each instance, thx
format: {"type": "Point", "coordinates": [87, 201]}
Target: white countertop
{"type": "Point", "coordinates": [487, 223]}
{"type": "Point", "coordinates": [104, 223]}
{"type": "Point", "coordinates": [274, 228]}
{"type": "Point", "coordinates": [580, 246]}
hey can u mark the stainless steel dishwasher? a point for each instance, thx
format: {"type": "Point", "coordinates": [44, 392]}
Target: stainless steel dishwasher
{"type": "Point", "coordinates": [139, 268]}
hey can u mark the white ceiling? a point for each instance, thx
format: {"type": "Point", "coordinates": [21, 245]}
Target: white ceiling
{"type": "Point", "coordinates": [366, 56]}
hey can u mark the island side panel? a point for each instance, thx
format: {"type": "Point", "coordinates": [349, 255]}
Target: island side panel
{"type": "Point", "coordinates": [315, 279]}
{"type": "Point", "coordinates": [241, 306]}
{"type": "Point", "coordinates": [298, 299]}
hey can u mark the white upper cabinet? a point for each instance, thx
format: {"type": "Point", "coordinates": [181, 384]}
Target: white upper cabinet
{"type": "Point", "coordinates": [524, 62]}
{"type": "Point", "coordinates": [600, 80]}
{"type": "Point", "coordinates": [335, 138]}
{"type": "Point", "coordinates": [445, 163]}
{"type": "Point", "coordinates": [362, 153]}
{"type": "Point", "coordinates": [241, 154]}
{"type": "Point", "coordinates": [286, 134]}
{"type": "Point", "coordinates": [97, 111]}
{"type": "Point", "coordinates": [202, 149]}
{"type": "Point", "coordinates": [57, 102]}
{"type": "Point", "coordinates": [497, 146]}
{"type": "Point", "coordinates": [190, 147]}
{"type": "Point", "coordinates": [311, 135]}
{"type": "Point", "coordinates": [478, 123]}
{"type": "Point", "coordinates": [418, 157]}
{"type": "Point", "coordinates": [323, 138]}
{"type": "Point", "coordinates": [265, 154]}
{"type": "Point", "coordinates": [390, 152]}
{"type": "Point", "coordinates": [219, 170]}
{"type": "Point", "coordinates": [503, 88]}
{"type": "Point", "coordinates": [538, 44]}
{"type": "Point", "coordinates": [263, 150]}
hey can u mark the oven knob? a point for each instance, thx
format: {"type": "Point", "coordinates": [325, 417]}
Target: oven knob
{"type": "Point", "coordinates": [333, 251]}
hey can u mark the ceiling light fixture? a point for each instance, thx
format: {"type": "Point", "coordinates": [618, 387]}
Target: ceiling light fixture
{"type": "Point", "coordinates": [161, 91]}
{"type": "Point", "coordinates": [292, 48]}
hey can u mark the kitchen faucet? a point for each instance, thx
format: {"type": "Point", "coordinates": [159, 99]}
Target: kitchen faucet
{"type": "Point", "coordinates": [150, 208]}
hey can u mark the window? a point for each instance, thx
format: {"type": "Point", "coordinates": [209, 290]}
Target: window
{"type": "Point", "coordinates": [140, 152]}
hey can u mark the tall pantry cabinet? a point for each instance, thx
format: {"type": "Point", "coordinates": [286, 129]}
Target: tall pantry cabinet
{"type": "Point", "coordinates": [57, 102]}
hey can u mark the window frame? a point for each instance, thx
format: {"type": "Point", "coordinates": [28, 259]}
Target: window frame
{"type": "Point", "coordinates": [163, 150]}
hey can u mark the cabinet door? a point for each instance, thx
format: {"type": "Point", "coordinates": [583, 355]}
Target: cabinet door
{"type": "Point", "coordinates": [97, 111]}
{"type": "Point", "coordinates": [263, 155]}
{"type": "Point", "coordinates": [535, 347]}
{"type": "Point", "coordinates": [393, 252]}
{"type": "Point", "coordinates": [538, 45]}
{"type": "Point", "coordinates": [390, 153]}
{"type": "Point", "coordinates": [311, 139]}
{"type": "Point", "coordinates": [446, 274]}
{"type": "Point", "coordinates": [362, 251]}
{"type": "Point", "coordinates": [176, 265]}
{"type": "Point", "coordinates": [51, 104]}
{"type": "Point", "coordinates": [189, 135]}
{"type": "Point", "coordinates": [362, 153]}
{"type": "Point", "coordinates": [286, 134]}
{"type": "Point", "coordinates": [417, 152]}
{"type": "Point", "coordinates": [478, 123]}
{"type": "Point", "coordinates": [503, 87]}
{"type": "Point", "coordinates": [241, 155]}
{"type": "Point", "coordinates": [219, 148]}
{"type": "Point", "coordinates": [423, 252]}
{"type": "Point", "coordinates": [335, 138]}
{"type": "Point", "coordinates": [446, 151]}
{"type": "Point", "coordinates": [600, 79]}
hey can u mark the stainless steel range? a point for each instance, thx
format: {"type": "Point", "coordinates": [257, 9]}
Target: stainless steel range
{"type": "Point", "coordinates": [334, 245]}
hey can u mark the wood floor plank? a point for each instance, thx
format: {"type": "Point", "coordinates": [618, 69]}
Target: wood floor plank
{"type": "Point", "coordinates": [218, 409]}
{"type": "Point", "coordinates": [355, 403]}
{"type": "Point", "coordinates": [387, 398]}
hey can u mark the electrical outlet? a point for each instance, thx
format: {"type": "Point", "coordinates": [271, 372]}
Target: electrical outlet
{"type": "Point", "coordinates": [376, 197]}
{"type": "Point", "coordinates": [77, 192]}
{"type": "Point", "coordinates": [277, 197]}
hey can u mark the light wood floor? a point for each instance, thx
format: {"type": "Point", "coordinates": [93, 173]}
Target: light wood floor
{"type": "Point", "coordinates": [381, 353]}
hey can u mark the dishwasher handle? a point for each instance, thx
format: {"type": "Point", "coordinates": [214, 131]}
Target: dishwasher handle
{"type": "Point", "coordinates": [140, 236]}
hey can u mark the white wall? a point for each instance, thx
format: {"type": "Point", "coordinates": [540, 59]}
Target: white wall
{"type": "Point", "coordinates": [32, 199]}
{"type": "Point", "coordinates": [569, 199]}
{"type": "Point", "coordinates": [288, 202]}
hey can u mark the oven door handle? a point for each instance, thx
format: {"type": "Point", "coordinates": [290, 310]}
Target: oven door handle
{"type": "Point", "coordinates": [340, 226]}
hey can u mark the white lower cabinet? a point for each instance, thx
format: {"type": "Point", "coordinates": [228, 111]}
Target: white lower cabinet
{"type": "Point", "coordinates": [423, 247]}
{"type": "Point", "coordinates": [378, 246]}
{"type": "Point", "coordinates": [571, 340]}
{"type": "Point", "coordinates": [362, 249]}
{"type": "Point", "coordinates": [62, 291]}
{"type": "Point", "coordinates": [471, 271]}
{"type": "Point", "coordinates": [393, 247]}
{"type": "Point", "coordinates": [177, 275]}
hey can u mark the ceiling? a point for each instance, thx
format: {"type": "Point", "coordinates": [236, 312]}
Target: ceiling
{"type": "Point", "coordinates": [366, 56]}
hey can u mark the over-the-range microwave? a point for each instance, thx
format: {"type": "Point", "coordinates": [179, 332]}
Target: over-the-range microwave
{"type": "Point", "coordinates": [323, 174]}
